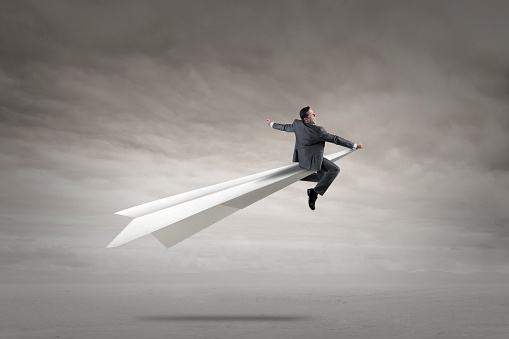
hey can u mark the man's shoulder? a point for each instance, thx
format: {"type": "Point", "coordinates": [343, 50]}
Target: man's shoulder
{"type": "Point", "coordinates": [317, 128]}
{"type": "Point", "coordinates": [321, 129]}
{"type": "Point", "coordinates": [298, 124]}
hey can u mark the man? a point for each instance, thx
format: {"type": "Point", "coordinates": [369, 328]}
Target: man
{"type": "Point", "coordinates": [309, 144]}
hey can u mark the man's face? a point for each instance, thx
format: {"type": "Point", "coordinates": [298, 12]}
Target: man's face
{"type": "Point", "coordinates": [311, 119]}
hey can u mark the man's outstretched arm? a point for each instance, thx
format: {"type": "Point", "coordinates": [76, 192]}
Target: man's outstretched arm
{"type": "Point", "coordinates": [281, 127]}
{"type": "Point", "coordinates": [338, 140]}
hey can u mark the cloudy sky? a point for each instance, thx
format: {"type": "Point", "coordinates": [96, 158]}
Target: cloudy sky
{"type": "Point", "coordinates": [108, 104]}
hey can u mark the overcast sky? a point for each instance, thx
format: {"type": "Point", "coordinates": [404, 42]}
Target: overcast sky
{"type": "Point", "coordinates": [108, 104]}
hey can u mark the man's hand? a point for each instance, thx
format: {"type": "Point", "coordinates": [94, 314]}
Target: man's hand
{"type": "Point", "coordinates": [268, 122]}
{"type": "Point", "coordinates": [359, 146]}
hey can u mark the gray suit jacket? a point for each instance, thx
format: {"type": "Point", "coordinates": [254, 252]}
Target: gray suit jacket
{"type": "Point", "coordinates": [309, 142]}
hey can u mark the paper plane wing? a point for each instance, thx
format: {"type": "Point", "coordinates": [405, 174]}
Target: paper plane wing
{"type": "Point", "coordinates": [178, 217]}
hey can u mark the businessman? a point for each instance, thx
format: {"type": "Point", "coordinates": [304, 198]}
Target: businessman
{"type": "Point", "coordinates": [309, 144]}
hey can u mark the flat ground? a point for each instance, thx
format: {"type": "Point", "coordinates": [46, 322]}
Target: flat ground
{"type": "Point", "coordinates": [258, 306]}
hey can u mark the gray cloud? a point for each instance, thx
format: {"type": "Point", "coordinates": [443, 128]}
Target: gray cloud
{"type": "Point", "coordinates": [19, 252]}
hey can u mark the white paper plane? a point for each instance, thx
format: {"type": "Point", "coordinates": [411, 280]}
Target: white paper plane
{"type": "Point", "coordinates": [178, 217]}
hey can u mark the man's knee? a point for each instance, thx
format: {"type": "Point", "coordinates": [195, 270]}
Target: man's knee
{"type": "Point", "coordinates": [330, 167]}
{"type": "Point", "coordinates": [333, 172]}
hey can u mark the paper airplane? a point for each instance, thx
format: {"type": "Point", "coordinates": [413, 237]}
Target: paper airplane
{"type": "Point", "coordinates": [178, 217]}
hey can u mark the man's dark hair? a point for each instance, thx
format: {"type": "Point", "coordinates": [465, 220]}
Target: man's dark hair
{"type": "Point", "coordinates": [304, 112]}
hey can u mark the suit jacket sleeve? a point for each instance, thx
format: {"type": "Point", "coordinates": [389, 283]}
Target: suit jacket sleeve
{"type": "Point", "coordinates": [334, 139]}
{"type": "Point", "coordinates": [283, 127]}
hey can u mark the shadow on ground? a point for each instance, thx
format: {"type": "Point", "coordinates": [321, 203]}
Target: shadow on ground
{"type": "Point", "coordinates": [222, 318]}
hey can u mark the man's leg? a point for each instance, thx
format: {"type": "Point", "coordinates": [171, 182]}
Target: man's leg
{"type": "Point", "coordinates": [329, 172]}
{"type": "Point", "coordinates": [326, 175]}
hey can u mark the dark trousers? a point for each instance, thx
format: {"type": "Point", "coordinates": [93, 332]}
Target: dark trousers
{"type": "Point", "coordinates": [324, 177]}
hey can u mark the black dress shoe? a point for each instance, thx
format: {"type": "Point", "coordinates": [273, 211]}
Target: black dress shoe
{"type": "Point", "coordinates": [312, 198]}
